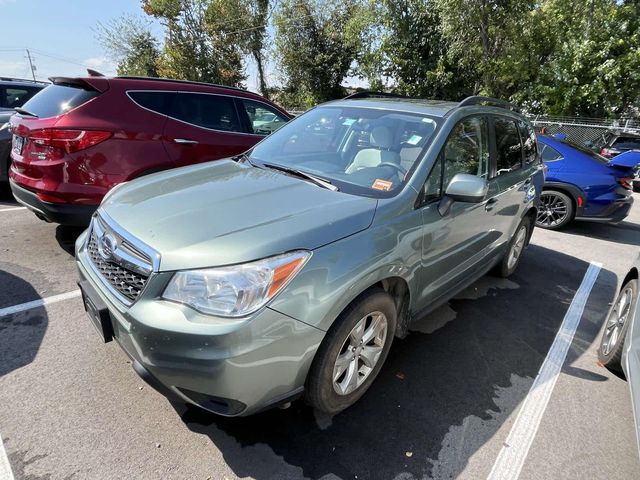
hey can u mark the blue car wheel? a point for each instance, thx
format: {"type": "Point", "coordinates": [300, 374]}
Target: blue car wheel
{"type": "Point", "coordinates": [555, 210]}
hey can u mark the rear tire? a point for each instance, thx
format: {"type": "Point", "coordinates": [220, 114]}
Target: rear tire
{"type": "Point", "coordinates": [516, 247]}
{"type": "Point", "coordinates": [555, 211]}
{"type": "Point", "coordinates": [617, 325]}
{"type": "Point", "coordinates": [352, 353]}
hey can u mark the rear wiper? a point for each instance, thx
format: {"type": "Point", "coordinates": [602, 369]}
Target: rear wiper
{"type": "Point", "coordinates": [22, 111]}
{"type": "Point", "coordinates": [321, 182]}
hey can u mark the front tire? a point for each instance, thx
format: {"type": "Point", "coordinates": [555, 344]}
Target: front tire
{"type": "Point", "coordinates": [555, 211]}
{"type": "Point", "coordinates": [352, 353]}
{"type": "Point", "coordinates": [617, 325]}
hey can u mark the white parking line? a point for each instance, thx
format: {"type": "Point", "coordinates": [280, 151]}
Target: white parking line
{"type": "Point", "coordinates": [5, 467]}
{"type": "Point", "coordinates": [38, 303]}
{"type": "Point", "coordinates": [12, 209]}
{"type": "Point", "coordinates": [514, 452]}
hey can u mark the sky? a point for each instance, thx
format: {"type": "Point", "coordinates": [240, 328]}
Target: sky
{"type": "Point", "coordinates": [60, 35]}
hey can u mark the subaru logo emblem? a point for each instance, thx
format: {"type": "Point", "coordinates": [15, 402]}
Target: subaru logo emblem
{"type": "Point", "coordinates": [106, 246]}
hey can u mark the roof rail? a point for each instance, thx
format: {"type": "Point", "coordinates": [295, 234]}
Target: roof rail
{"type": "Point", "coordinates": [495, 102]}
{"type": "Point", "coordinates": [372, 94]}
{"type": "Point", "coordinates": [190, 82]}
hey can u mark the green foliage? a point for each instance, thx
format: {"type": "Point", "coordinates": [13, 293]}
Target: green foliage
{"type": "Point", "coordinates": [562, 57]}
{"type": "Point", "coordinates": [196, 47]}
{"type": "Point", "coordinates": [132, 45]}
{"type": "Point", "coordinates": [316, 43]}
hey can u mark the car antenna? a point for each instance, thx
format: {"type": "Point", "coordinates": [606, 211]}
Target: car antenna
{"type": "Point", "coordinates": [94, 73]}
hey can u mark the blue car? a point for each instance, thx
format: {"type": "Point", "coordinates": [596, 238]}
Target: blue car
{"type": "Point", "coordinates": [582, 185]}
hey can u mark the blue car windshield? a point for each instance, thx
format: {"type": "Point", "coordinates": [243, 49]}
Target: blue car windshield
{"type": "Point", "coordinates": [363, 151]}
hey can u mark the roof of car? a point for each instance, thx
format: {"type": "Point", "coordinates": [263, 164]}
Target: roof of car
{"type": "Point", "coordinates": [173, 80]}
{"type": "Point", "coordinates": [22, 82]}
{"type": "Point", "coordinates": [436, 108]}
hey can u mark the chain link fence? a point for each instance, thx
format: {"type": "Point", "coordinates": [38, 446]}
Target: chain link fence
{"type": "Point", "coordinates": [580, 130]}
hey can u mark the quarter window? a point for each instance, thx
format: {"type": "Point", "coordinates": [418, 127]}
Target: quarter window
{"type": "Point", "coordinates": [159, 102]}
{"type": "Point", "coordinates": [262, 118]}
{"type": "Point", "coordinates": [508, 146]}
{"type": "Point", "coordinates": [215, 112]}
{"type": "Point", "coordinates": [549, 154]}
{"type": "Point", "coordinates": [467, 150]}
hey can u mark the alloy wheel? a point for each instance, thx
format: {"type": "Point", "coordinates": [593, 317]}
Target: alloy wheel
{"type": "Point", "coordinates": [553, 210]}
{"type": "Point", "coordinates": [360, 353]}
{"type": "Point", "coordinates": [616, 321]}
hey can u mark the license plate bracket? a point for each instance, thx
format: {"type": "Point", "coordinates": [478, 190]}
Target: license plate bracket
{"type": "Point", "coordinates": [97, 311]}
{"type": "Point", "coordinates": [18, 144]}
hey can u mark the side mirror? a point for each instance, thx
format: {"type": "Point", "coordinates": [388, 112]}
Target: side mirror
{"type": "Point", "coordinates": [467, 188]}
{"type": "Point", "coordinates": [463, 188]}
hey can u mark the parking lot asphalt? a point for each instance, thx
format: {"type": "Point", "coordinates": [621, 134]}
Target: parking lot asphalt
{"type": "Point", "coordinates": [442, 407]}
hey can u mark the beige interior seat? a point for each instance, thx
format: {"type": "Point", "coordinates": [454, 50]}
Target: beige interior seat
{"type": "Point", "coordinates": [380, 141]}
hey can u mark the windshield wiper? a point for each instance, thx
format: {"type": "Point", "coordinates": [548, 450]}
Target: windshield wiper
{"type": "Point", "coordinates": [22, 111]}
{"type": "Point", "coordinates": [321, 182]}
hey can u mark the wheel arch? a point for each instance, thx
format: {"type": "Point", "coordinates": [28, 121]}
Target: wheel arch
{"type": "Point", "coordinates": [572, 191]}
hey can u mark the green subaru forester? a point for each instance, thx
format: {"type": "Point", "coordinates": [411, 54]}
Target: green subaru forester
{"type": "Point", "coordinates": [240, 284]}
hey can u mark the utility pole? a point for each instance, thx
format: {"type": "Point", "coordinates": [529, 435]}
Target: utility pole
{"type": "Point", "coordinates": [33, 69]}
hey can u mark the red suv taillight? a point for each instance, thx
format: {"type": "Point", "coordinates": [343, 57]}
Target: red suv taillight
{"type": "Point", "coordinates": [626, 182]}
{"type": "Point", "coordinates": [53, 143]}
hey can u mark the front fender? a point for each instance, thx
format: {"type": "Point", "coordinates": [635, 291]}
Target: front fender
{"type": "Point", "coordinates": [338, 273]}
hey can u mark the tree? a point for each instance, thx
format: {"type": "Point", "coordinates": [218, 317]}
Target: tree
{"type": "Point", "coordinates": [193, 49]}
{"type": "Point", "coordinates": [317, 42]}
{"type": "Point", "coordinates": [590, 59]}
{"type": "Point", "coordinates": [131, 44]}
{"type": "Point", "coordinates": [406, 49]}
{"type": "Point", "coordinates": [485, 37]}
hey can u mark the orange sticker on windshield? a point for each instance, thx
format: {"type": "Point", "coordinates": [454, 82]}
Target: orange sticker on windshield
{"type": "Point", "coordinates": [382, 185]}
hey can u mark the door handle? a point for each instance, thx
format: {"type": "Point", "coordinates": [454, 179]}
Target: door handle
{"type": "Point", "coordinates": [490, 204]}
{"type": "Point", "coordinates": [185, 141]}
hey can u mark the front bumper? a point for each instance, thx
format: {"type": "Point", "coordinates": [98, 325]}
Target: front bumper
{"type": "Point", "coordinates": [230, 367]}
{"type": "Point", "coordinates": [614, 213]}
{"type": "Point", "coordinates": [64, 214]}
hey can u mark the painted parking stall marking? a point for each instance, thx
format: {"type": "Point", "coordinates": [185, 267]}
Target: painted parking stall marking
{"type": "Point", "coordinates": [5, 468]}
{"type": "Point", "coordinates": [38, 303]}
{"type": "Point", "coordinates": [514, 452]}
{"type": "Point", "coordinates": [12, 209]}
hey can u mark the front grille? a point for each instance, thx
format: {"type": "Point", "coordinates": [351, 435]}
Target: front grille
{"type": "Point", "coordinates": [126, 281]}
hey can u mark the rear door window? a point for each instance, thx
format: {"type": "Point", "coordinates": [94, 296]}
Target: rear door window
{"type": "Point", "coordinates": [58, 99]}
{"type": "Point", "coordinates": [263, 119]}
{"type": "Point", "coordinates": [159, 102]}
{"type": "Point", "coordinates": [627, 143]}
{"type": "Point", "coordinates": [508, 146]}
{"type": "Point", "coordinates": [214, 112]}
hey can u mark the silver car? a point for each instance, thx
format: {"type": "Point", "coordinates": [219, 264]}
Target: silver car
{"type": "Point", "coordinates": [241, 284]}
{"type": "Point", "coordinates": [620, 344]}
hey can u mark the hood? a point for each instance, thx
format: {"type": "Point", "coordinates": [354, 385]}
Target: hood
{"type": "Point", "coordinates": [223, 212]}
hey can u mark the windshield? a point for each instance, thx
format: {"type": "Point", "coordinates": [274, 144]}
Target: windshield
{"type": "Point", "coordinates": [361, 151]}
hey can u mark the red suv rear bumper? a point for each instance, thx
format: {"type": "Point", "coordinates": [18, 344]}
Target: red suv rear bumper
{"type": "Point", "coordinates": [64, 214]}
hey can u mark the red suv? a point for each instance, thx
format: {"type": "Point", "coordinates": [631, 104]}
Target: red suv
{"type": "Point", "coordinates": [79, 137]}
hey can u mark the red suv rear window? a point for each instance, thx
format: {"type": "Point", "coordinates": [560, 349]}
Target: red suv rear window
{"type": "Point", "coordinates": [57, 99]}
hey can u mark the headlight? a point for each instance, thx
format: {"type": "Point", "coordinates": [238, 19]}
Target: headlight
{"type": "Point", "coordinates": [4, 126]}
{"type": "Point", "coordinates": [237, 290]}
